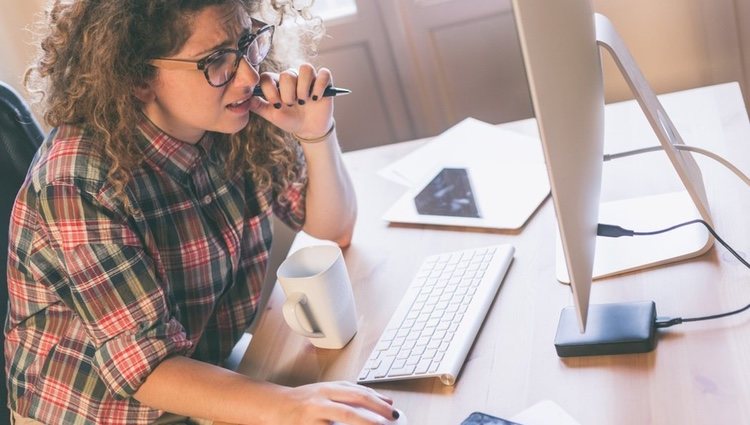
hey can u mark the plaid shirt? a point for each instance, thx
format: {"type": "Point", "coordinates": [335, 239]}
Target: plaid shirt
{"type": "Point", "coordinates": [99, 297]}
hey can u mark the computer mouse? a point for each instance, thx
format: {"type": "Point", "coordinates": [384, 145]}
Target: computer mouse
{"type": "Point", "coordinates": [400, 421]}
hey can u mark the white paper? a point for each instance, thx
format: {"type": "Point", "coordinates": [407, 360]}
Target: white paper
{"type": "Point", "coordinates": [463, 146]}
{"type": "Point", "coordinates": [506, 169]}
{"type": "Point", "coordinates": [545, 412]}
{"type": "Point", "coordinates": [506, 194]}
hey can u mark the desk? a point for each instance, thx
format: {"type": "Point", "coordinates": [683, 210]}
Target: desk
{"type": "Point", "coordinates": [699, 372]}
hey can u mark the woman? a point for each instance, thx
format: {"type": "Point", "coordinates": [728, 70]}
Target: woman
{"type": "Point", "coordinates": [140, 238]}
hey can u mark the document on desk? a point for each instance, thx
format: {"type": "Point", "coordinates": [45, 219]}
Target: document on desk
{"type": "Point", "coordinates": [545, 412]}
{"type": "Point", "coordinates": [474, 174]}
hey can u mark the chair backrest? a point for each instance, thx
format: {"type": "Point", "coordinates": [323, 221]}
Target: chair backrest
{"type": "Point", "coordinates": [20, 136]}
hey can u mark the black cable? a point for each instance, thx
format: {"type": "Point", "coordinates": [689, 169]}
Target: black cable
{"type": "Point", "coordinates": [710, 230]}
{"type": "Point", "coordinates": [612, 231]}
{"type": "Point", "coordinates": [665, 322]}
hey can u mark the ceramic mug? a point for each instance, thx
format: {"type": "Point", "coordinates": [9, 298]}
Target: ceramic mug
{"type": "Point", "coordinates": [319, 300]}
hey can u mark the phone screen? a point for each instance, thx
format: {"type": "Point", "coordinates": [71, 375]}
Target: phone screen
{"type": "Point", "coordinates": [479, 418]}
{"type": "Point", "coordinates": [448, 194]}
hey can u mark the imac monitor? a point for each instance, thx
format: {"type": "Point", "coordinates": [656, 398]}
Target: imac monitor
{"type": "Point", "coordinates": [560, 43]}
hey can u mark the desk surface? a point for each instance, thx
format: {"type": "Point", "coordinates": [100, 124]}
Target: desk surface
{"type": "Point", "coordinates": [699, 372]}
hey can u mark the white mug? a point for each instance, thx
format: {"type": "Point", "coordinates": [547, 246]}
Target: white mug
{"type": "Point", "coordinates": [320, 303]}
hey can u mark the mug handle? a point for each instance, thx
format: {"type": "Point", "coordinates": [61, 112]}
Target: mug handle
{"type": "Point", "coordinates": [291, 308]}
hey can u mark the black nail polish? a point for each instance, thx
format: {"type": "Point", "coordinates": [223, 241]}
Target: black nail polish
{"type": "Point", "coordinates": [301, 102]}
{"type": "Point", "coordinates": [315, 98]}
{"type": "Point", "coordinates": [395, 414]}
{"type": "Point", "coordinates": [277, 105]}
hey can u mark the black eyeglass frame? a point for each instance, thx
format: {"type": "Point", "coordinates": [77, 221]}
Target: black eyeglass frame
{"type": "Point", "coordinates": [202, 64]}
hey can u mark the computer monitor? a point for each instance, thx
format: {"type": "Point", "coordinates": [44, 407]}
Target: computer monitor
{"type": "Point", "coordinates": [560, 42]}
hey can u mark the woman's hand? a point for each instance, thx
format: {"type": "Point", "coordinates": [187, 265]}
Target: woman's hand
{"type": "Point", "coordinates": [341, 402]}
{"type": "Point", "coordinates": [294, 100]}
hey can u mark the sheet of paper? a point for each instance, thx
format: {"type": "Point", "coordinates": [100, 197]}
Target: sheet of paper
{"type": "Point", "coordinates": [507, 173]}
{"type": "Point", "coordinates": [505, 194]}
{"type": "Point", "coordinates": [461, 146]}
{"type": "Point", "coordinates": [545, 412]}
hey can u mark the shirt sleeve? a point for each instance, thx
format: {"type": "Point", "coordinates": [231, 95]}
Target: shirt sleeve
{"type": "Point", "coordinates": [289, 205]}
{"type": "Point", "coordinates": [110, 283]}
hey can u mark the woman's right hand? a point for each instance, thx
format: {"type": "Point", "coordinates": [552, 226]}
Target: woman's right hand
{"type": "Point", "coordinates": [326, 402]}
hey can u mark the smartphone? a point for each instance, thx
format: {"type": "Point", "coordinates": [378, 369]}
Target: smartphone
{"type": "Point", "coordinates": [479, 418]}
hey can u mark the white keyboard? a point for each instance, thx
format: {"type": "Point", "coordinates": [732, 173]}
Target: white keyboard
{"type": "Point", "coordinates": [438, 318]}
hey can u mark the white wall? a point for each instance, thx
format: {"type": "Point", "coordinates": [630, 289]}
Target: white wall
{"type": "Point", "coordinates": [16, 39]}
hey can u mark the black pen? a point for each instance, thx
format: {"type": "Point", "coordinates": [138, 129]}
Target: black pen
{"type": "Point", "coordinates": [329, 92]}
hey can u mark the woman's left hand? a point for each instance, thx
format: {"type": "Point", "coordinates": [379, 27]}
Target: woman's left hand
{"type": "Point", "coordinates": [294, 100]}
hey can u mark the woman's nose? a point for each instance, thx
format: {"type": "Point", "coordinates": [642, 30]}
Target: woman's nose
{"type": "Point", "coordinates": [247, 75]}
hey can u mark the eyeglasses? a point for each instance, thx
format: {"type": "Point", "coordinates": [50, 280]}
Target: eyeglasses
{"type": "Point", "coordinates": [221, 66]}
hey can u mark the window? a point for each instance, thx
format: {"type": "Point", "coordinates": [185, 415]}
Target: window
{"type": "Point", "coordinates": [332, 9]}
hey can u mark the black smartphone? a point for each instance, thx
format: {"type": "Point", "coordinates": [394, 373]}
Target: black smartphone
{"type": "Point", "coordinates": [479, 418]}
{"type": "Point", "coordinates": [448, 194]}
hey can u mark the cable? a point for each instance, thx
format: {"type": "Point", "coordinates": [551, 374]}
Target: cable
{"type": "Point", "coordinates": [665, 322]}
{"type": "Point", "coordinates": [704, 152]}
{"type": "Point", "coordinates": [611, 156]}
{"type": "Point", "coordinates": [716, 158]}
{"type": "Point", "coordinates": [612, 231]}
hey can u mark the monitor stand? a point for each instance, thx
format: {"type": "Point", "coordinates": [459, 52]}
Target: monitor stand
{"type": "Point", "coordinates": [624, 254]}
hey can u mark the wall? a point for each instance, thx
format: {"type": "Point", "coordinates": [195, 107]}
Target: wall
{"type": "Point", "coordinates": [420, 66]}
{"type": "Point", "coordinates": [742, 10]}
{"type": "Point", "coordinates": [679, 44]}
{"type": "Point", "coordinates": [16, 47]}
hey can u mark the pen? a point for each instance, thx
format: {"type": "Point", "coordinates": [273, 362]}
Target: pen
{"type": "Point", "coordinates": [329, 92]}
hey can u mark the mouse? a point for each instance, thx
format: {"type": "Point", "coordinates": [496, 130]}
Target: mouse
{"type": "Point", "coordinates": [400, 421]}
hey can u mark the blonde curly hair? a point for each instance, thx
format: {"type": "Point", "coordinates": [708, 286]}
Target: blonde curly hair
{"type": "Point", "coordinates": [94, 53]}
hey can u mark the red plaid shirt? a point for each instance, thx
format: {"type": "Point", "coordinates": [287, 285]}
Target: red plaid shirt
{"type": "Point", "coordinates": [99, 297]}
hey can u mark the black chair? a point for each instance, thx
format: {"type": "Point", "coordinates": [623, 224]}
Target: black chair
{"type": "Point", "coordinates": [20, 137]}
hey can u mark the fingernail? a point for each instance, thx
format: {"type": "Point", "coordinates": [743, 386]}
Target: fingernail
{"type": "Point", "coordinates": [301, 102]}
{"type": "Point", "coordinates": [289, 105]}
{"type": "Point", "coordinates": [315, 98]}
{"type": "Point", "coordinates": [277, 105]}
{"type": "Point", "coordinates": [395, 414]}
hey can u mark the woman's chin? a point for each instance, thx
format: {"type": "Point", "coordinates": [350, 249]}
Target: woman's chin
{"type": "Point", "coordinates": [234, 127]}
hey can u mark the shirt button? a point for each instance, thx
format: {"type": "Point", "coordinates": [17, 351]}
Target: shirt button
{"type": "Point", "coordinates": [206, 199]}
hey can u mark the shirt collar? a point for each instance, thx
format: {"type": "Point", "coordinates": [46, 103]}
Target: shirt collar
{"type": "Point", "coordinates": [175, 157]}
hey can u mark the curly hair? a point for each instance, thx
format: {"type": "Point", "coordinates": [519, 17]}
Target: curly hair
{"type": "Point", "coordinates": [94, 53]}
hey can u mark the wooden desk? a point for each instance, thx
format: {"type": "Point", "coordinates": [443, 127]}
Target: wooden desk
{"type": "Point", "coordinates": [699, 373]}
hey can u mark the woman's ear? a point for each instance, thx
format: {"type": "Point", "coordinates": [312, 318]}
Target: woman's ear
{"type": "Point", "coordinates": [145, 93]}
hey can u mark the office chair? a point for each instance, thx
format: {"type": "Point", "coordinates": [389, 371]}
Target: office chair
{"type": "Point", "coordinates": [20, 136]}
